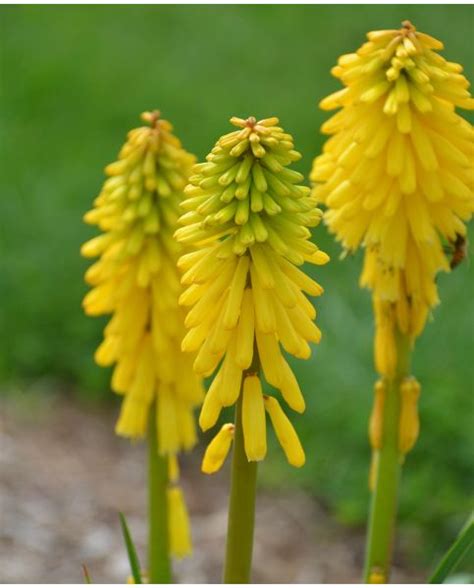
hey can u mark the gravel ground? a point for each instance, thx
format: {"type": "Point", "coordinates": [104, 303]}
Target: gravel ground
{"type": "Point", "coordinates": [64, 476]}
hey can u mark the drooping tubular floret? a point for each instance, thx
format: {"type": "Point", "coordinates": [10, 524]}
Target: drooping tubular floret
{"type": "Point", "coordinates": [136, 280]}
{"type": "Point", "coordinates": [247, 219]}
{"type": "Point", "coordinates": [397, 174]}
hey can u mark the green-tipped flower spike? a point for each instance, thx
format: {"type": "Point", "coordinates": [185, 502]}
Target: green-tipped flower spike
{"type": "Point", "coordinates": [136, 280]}
{"type": "Point", "coordinates": [247, 219]}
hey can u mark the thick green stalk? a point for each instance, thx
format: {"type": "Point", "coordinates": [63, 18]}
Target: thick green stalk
{"type": "Point", "coordinates": [240, 526]}
{"type": "Point", "coordinates": [159, 565]}
{"type": "Point", "coordinates": [383, 512]}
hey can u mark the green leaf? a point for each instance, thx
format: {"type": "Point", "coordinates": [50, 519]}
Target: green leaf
{"type": "Point", "coordinates": [132, 552]}
{"type": "Point", "coordinates": [85, 571]}
{"type": "Point", "coordinates": [455, 553]}
{"type": "Point", "coordinates": [460, 578]}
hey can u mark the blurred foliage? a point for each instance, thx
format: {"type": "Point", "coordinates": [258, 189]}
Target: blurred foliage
{"type": "Point", "coordinates": [75, 78]}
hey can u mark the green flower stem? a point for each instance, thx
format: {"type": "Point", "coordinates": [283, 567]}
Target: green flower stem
{"type": "Point", "coordinates": [241, 521]}
{"type": "Point", "coordinates": [383, 510]}
{"type": "Point", "coordinates": [159, 565]}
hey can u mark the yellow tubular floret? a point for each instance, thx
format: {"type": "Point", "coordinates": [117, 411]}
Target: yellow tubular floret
{"type": "Point", "coordinates": [376, 418]}
{"type": "Point", "coordinates": [409, 421]}
{"type": "Point", "coordinates": [247, 219]}
{"type": "Point", "coordinates": [397, 174]}
{"type": "Point", "coordinates": [212, 405]}
{"type": "Point", "coordinates": [253, 416]}
{"type": "Point", "coordinates": [285, 433]}
{"type": "Point", "coordinates": [178, 524]}
{"type": "Point", "coordinates": [218, 449]}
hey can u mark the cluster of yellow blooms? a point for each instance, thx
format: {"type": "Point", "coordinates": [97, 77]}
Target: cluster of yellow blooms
{"type": "Point", "coordinates": [246, 219]}
{"type": "Point", "coordinates": [397, 178]}
{"type": "Point", "coordinates": [137, 281]}
{"type": "Point", "coordinates": [397, 174]}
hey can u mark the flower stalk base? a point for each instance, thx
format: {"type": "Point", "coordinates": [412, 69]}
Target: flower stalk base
{"type": "Point", "coordinates": [387, 475]}
{"type": "Point", "coordinates": [241, 520]}
{"type": "Point", "coordinates": [159, 564]}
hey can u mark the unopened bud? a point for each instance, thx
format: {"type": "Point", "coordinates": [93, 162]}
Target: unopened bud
{"type": "Point", "coordinates": [409, 426]}
{"type": "Point", "coordinates": [376, 418]}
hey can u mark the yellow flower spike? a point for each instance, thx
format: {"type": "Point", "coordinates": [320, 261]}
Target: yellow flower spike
{"type": "Point", "coordinates": [409, 420]}
{"type": "Point", "coordinates": [218, 449]}
{"type": "Point", "coordinates": [253, 415]}
{"type": "Point", "coordinates": [396, 175]}
{"type": "Point", "coordinates": [285, 433]}
{"type": "Point", "coordinates": [246, 216]}
{"type": "Point", "coordinates": [178, 524]}
{"type": "Point", "coordinates": [135, 280]}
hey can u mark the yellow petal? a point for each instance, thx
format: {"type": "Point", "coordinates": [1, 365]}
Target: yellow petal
{"type": "Point", "coordinates": [218, 449]}
{"type": "Point", "coordinates": [253, 419]}
{"type": "Point", "coordinates": [285, 433]}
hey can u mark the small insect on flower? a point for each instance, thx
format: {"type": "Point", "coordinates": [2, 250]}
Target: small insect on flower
{"type": "Point", "coordinates": [247, 218]}
{"type": "Point", "coordinates": [458, 251]}
{"type": "Point", "coordinates": [136, 280]}
{"type": "Point", "coordinates": [397, 173]}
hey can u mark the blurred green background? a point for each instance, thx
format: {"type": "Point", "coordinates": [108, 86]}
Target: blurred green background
{"type": "Point", "coordinates": [73, 82]}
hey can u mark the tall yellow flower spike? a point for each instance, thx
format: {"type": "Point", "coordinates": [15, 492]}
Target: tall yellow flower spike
{"type": "Point", "coordinates": [397, 174]}
{"type": "Point", "coordinates": [397, 179]}
{"type": "Point", "coordinates": [136, 280]}
{"type": "Point", "coordinates": [247, 219]}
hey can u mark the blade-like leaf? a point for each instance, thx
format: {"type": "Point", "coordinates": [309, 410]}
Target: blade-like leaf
{"type": "Point", "coordinates": [85, 571]}
{"type": "Point", "coordinates": [455, 553]}
{"type": "Point", "coordinates": [132, 552]}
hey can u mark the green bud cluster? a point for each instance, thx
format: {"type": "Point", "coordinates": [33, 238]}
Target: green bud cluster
{"type": "Point", "coordinates": [246, 190]}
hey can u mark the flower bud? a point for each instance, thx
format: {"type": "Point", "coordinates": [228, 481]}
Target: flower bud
{"type": "Point", "coordinates": [376, 418]}
{"type": "Point", "coordinates": [409, 424]}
